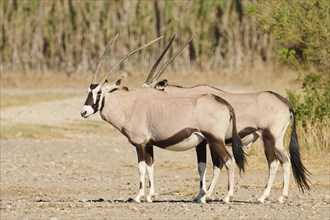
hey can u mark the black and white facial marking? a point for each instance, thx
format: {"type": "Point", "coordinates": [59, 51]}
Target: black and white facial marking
{"type": "Point", "coordinates": [92, 104]}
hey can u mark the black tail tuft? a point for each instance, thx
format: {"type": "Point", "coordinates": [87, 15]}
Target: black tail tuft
{"type": "Point", "coordinates": [237, 147]}
{"type": "Point", "coordinates": [300, 172]}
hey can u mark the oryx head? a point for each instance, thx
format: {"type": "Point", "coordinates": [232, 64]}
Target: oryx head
{"type": "Point", "coordinates": [152, 80]}
{"type": "Point", "coordinates": [94, 101]}
{"type": "Point", "coordinates": [97, 90]}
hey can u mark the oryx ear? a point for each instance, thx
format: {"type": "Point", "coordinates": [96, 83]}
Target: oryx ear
{"type": "Point", "coordinates": [111, 88]}
{"type": "Point", "coordinates": [115, 86]}
{"type": "Point", "coordinates": [161, 84]}
{"type": "Point", "coordinates": [118, 82]}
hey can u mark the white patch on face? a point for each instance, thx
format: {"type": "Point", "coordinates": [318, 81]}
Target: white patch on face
{"type": "Point", "coordinates": [192, 141]}
{"type": "Point", "coordinates": [87, 111]}
{"type": "Point", "coordinates": [95, 91]}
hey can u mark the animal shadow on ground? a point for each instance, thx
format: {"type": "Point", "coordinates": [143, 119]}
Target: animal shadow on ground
{"type": "Point", "coordinates": [130, 200]}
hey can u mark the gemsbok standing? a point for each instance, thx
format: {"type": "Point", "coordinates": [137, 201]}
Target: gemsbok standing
{"type": "Point", "coordinates": [148, 118]}
{"type": "Point", "coordinates": [259, 114]}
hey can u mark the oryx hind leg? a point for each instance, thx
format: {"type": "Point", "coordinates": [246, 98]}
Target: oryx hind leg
{"type": "Point", "coordinates": [145, 164]}
{"type": "Point", "coordinates": [284, 159]}
{"type": "Point", "coordinates": [217, 165]}
{"type": "Point", "coordinates": [220, 156]}
{"type": "Point", "coordinates": [269, 148]}
{"type": "Point", "coordinates": [230, 166]}
{"type": "Point", "coordinates": [201, 163]}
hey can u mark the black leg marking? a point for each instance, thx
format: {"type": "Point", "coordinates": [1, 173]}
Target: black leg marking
{"type": "Point", "coordinates": [149, 155]}
{"type": "Point", "coordinates": [201, 152]}
{"type": "Point", "coordinates": [269, 146]}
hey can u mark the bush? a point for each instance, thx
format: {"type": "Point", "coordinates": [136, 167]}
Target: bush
{"type": "Point", "coordinates": [301, 29]}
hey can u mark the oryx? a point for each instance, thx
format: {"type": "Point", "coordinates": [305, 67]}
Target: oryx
{"type": "Point", "coordinates": [259, 114]}
{"type": "Point", "coordinates": [148, 118]}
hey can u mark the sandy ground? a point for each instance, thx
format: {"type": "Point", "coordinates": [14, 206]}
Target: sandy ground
{"type": "Point", "coordinates": [92, 173]}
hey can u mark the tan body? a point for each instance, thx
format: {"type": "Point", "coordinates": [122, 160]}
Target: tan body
{"type": "Point", "coordinates": [140, 121]}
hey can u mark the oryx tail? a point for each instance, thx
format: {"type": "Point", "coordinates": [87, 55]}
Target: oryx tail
{"type": "Point", "coordinates": [300, 172]}
{"type": "Point", "coordinates": [237, 145]}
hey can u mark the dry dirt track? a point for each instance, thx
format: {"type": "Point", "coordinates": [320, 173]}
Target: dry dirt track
{"type": "Point", "coordinates": [89, 175]}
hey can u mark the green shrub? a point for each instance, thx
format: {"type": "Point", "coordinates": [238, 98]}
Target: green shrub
{"type": "Point", "coordinates": [301, 29]}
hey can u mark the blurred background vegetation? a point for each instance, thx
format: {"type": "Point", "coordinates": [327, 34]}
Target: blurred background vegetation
{"type": "Point", "coordinates": [235, 36]}
{"type": "Point", "coordinates": [71, 35]}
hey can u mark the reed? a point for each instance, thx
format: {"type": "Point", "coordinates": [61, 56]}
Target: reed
{"type": "Point", "coordinates": [70, 35]}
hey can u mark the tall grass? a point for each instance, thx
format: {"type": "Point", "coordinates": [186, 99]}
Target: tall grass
{"type": "Point", "coordinates": [314, 137]}
{"type": "Point", "coordinates": [70, 35]}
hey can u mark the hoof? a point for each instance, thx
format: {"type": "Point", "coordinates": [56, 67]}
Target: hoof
{"type": "Point", "coordinates": [150, 199]}
{"type": "Point", "coordinates": [200, 196]}
{"type": "Point", "coordinates": [281, 199]}
{"type": "Point", "coordinates": [200, 200]}
{"type": "Point", "coordinates": [130, 200]}
{"type": "Point", "coordinates": [137, 200]}
{"type": "Point", "coordinates": [227, 199]}
{"type": "Point", "coordinates": [262, 199]}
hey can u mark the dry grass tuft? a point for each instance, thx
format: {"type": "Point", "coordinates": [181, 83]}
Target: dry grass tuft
{"type": "Point", "coordinates": [314, 137]}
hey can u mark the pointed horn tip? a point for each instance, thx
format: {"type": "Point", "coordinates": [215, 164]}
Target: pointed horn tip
{"type": "Point", "coordinates": [162, 69]}
{"type": "Point", "coordinates": [105, 52]}
{"type": "Point", "coordinates": [128, 55]}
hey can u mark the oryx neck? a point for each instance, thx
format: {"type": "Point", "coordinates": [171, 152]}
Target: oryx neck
{"type": "Point", "coordinates": [117, 106]}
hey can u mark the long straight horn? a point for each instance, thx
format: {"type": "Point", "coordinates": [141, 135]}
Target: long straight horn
{"type": "Point", "coordinates": [153, 69]}
{"type": "Point", "coordinates": [162, 69]}
{"type": "Point", "coordinates": [127, 56]}
{"type": "Point", "coordinates": [102, 58]}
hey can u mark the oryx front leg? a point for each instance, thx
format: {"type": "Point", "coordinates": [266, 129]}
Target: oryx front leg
{"type": "Point", "coordinates": [142, 167]}
{"type": "Point", "coordinates": [220, 156]}
{"type": "Point", "coordinates": [201, 163]}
